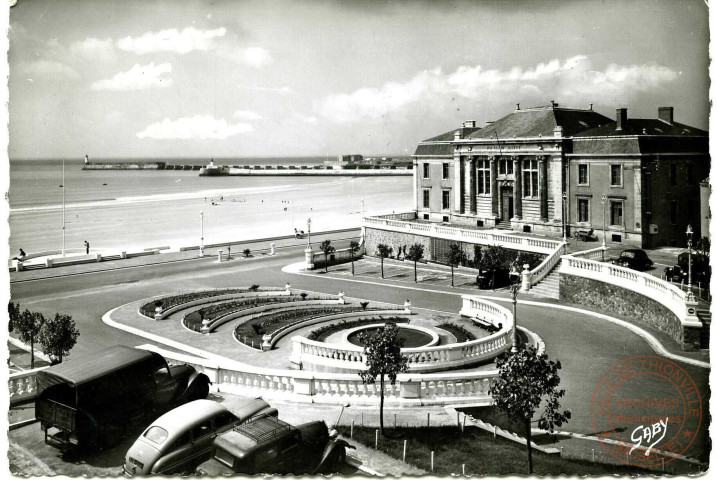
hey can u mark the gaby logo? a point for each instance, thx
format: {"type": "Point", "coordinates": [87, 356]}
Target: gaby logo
{"type": "Point", "coordinates": [649, 435]}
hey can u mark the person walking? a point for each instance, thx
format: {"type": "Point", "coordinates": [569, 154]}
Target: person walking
{"type": "Point", "coordinates": [87, 247]}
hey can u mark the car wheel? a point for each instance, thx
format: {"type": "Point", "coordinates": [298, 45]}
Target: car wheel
{"type": "Point", "coordinates": [201, 391]}
{"type": "Point", "coordinates": [339, 460]}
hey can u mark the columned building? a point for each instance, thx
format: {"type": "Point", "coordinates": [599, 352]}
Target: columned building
{"type": "Point", "coordinates": [546, 170]}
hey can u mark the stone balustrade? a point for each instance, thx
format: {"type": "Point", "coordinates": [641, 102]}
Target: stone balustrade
{"type": "Point", "coordinates": [534, 276]}
{"type": "Point", "coordinates": [23, 385]}
{"type": "Point", "coordinates": [592, 254]}
{"type": "Point", "coordinates": [402, 223]}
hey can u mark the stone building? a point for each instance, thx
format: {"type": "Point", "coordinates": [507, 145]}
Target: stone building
{"type": "Point", "coordinates": [551, 170]}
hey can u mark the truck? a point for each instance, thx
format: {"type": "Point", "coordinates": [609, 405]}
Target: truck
{"type": "Point", "coordinates": [94, 401]}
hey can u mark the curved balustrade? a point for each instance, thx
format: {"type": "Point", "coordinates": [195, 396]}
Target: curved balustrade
{"type": "Point", "coordinates": [542, 270]}
{"type": "Point", "coordinates": [23, 385]}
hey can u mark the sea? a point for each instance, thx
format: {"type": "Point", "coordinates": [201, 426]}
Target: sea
{"type": "Point", "coordinates": [130, 209]}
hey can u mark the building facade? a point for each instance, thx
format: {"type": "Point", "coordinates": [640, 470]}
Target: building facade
{"type": "Point", "coordinates": [552, 170]}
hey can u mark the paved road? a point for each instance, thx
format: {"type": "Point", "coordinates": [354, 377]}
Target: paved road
{"type": "Point", "coordinates": [586, 346]}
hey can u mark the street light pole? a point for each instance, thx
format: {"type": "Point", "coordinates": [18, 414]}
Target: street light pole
{"type": "Point", "coordinates": [201, 238]}
{"type": "Point", "coordinates": [308, 227]}
{"type": "Point", "coordinates": [514, 296]}
{"type": "Point", "coordinates": [689, 263]}
{"type": "Point", "coordinates": [565, 217]}
{"type": "Point", "coordinates": [63, 207]}
{"type": "Point", "coordinates": [603, 200]}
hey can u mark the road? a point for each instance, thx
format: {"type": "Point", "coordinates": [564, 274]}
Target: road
{"type": "Point", "coordinates": [585, 346]}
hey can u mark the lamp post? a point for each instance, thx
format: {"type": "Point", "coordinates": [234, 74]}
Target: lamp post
{"type": "Point", "coordinates": [308, 252]}
{"type": "Point", "coordinates": [308, 227]}
{"type": "Point", "coordinates": [201, 238]}
{"type": "Point", "coordinates": [514, 296]}
{"type": "Point", "coordinates": [565, 217]}
{"type": "Point", "coordinates": [690, 295]}
{"type": "Point", "coordinates": [63, 207]}
{"type": "Point", "coordinates": [603, 200]}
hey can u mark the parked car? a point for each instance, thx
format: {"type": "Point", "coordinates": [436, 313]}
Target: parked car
{"type": "Point", "coordinates": [270, 446]}
{"type": "Point", "coordinates": [94, 401]}
{"type": "Point", "coordinates": [493, 278]}
{"type": "Point", "coordinates": [634, 258]}
{"type": "Point", "coordinates": [701, 271]}
{"type": "Point", "coordinates": [182, 438]}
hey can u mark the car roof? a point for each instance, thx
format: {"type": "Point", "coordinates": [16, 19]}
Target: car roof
{"type": "Point", "coordinates": [176, 421]}
{"type": "Point", "coordinates": [248, 436]}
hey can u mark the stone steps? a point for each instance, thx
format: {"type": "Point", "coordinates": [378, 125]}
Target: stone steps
{"type": "Point", "coordinates": [549, 287]}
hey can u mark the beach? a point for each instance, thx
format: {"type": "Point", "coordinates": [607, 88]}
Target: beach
{"type": "Point", "coordinates": [136, 209]}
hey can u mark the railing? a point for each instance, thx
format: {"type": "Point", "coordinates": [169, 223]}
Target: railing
{"type": "Point", "coordinates": [542, 270]}
{"type": "Point", "coordinates": [336, 388]}
{"type": "Point", "coordinates": [515, 242]}
{"type": "Point", "coordinates": [592, 254]}
{"type": "Point", "coordinates": [23, 385]}
{"type": "Point", "coordinates": [654, 288]}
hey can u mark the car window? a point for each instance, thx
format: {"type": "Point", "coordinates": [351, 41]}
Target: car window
{"type": "Point", "coordinates": [180, 442]}
{"type": "Point", "coordinates": [265, 456]}
{"type": "Point", "coordinates": [628, 254]}
{"type": "Point", "coordinates": [224, 419]}
{"type": "Point", "coordinates": [202, 429]}
{"type": "Point", "coordinates": [156, 435]}
{"type": "Point", "coordinates": [224, 457]}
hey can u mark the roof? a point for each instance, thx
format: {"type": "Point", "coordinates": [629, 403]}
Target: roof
{"type": "Point", "coordinates": [250, 435]}
{"type": "Point", "coordinates": [645, 126]}
{"type": "Point", "coordinates": [429, 147]}
{"type": "Point", "coordinates": [537, 122]}
{"type": "Point", "coordinates": [188, 414]}
{"type": "Point", "coordinates": [82, 370]}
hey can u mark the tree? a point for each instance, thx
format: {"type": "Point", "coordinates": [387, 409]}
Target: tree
{"type": "Point", "coordinates": [456, 256]}
{"type": "Point", "coordinates": [383, 251]}
{"type": "Point", "coordinates": [13, 314]}
{"type": "Point", "coordinates": [415, 253]}
{"type": "Point", "coordinates": [246, 252]}
{"type": "Point", "coordinates": [57, 336]}
{"type": "Point", "coordinates": [327, 248]}
{"type": "Point", "coordinates": [703, 245]}
{"type": "Point", "coordinates": [28, 325]}
{"type": "Point", "coordinates": [524, 379]}
{"type": "Point", "coordinates": [353, 248]}
{"type": "Point", "coordinates": [383, 359]}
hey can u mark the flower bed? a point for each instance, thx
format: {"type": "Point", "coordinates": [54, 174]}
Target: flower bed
{"type": "Point", "coordinates": [193, 321]}
{"type": "Point", "coordinates": [321, 333]}
{"type": "Point", "coordinates": [458, 331]}
{"type": "Point", "coordinates": [148, 309]}
{"type": "Point", "coordinates": [252, 333]}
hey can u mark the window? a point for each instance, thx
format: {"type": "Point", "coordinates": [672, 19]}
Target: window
{"type": "Point", "coordinates": [180, 442]}
{"type": "Point", "coordinates": [530, 178]}
{"type": "Point", "coordinates": [673, 212]}
{"type": "Point", "coordinates": [223, 419]}
{"type": "Point", "coordinates": [446, 170]}
{"type": "Point", "coordinates": [202, 429]}
{"type": "Point", "coordinates": [616, 216]}
{"type": "Point", "coordinates": [483, 176]}
{"type": "Point", "coordinates": [156, 434]}
{"type": "Point", "coordinates": [426, 170]}
{"type": "Point", "coordinates": [583, 210]}
{"type": "Point", "coordinates": [673, 174]}
{"type": "Point", "coordinates": [505, 167]}
{"type": "Point", "coordinates": [426, 198]}
{"type": "Point", "coordinates": [690, 174]}
{"type": "Point", "coordinates": [583, 175]}
{"type": "Point", "coordinates": [446, 199]}
{"type": "Point", "coordinates": [616, 175]}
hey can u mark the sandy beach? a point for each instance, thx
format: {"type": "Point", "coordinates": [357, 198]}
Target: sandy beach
{"type": "Point", "coordinates": [173, 219]}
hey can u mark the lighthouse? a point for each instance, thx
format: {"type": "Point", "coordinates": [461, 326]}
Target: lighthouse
{"type": "Point", "coordinates": [87, 160]}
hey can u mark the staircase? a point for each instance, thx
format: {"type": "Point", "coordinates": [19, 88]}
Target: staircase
{"type": "Point", "coordinates": [705, 317]}
{"type": "Point", "coordinates": [503, 226]}
{"type": "Point", "coordinates": [548, 287]}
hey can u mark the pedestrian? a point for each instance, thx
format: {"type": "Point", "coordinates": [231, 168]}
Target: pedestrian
{"type": "Point", "coordinates": [87, 247]}
{"type": "Point", "coordinates": [21, 256]}
{"type": "Point", "coordinates": [229, 253]}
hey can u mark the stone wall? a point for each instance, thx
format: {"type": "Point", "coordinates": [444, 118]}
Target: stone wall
{"type": "Point", "coordinates": [614, 300]}
{"type": "Point", "coordinates": [374, 237]}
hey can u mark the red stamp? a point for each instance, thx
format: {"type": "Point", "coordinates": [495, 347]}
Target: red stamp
{"type": "Point", "coordinates": [645, 410]}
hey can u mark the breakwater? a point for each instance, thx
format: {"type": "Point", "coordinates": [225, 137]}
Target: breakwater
{"type": "Point", "coordinates": [138, 166]}
{"type": "Point", "coordinates": [260, 170]}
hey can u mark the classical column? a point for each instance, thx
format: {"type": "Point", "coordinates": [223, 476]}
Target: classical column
{"type": "Point", "coordinates": [457, 184]}
{"type": "Point", "coordinates": [543, 186]}
{"type": "Point", "coordinates": [469, 193]}
{"type": "Point", "coordinates": [473, 191]}
{"type": "Point", "coordinates": [416, 179]}
{"type": "Point", "coordinates": [494, 186]}
{"type": "Point", "coordinates": [517, 189]}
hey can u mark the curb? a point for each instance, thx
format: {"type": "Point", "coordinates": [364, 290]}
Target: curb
{"type": "Point", "coordinates": [19, 344]}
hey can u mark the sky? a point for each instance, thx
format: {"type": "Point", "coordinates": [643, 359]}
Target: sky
{"type": "Point", "coordinates": [146, 78]}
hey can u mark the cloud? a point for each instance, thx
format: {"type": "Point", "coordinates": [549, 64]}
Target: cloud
{"type": "Point", "coordinates": [172, 40]}
{"type": "Point", "coordinates": [256, 57]}
{"type": "Point", "coordinates": [91, 49]}
{"type": "Point", "coordinates": [305, 118]}
{"type": "Point", "coordinates": [137, 78]}
{"type": "Point", "coordinates": [247, 115]}
{"type": "Point", "coordinates": [573, 79]}
{"type": "Point", "coordinates": [280, 90]}
{"type": "Point", "coordinates": [48, 68]}
{"type": "Point", "coordinates": [196, 127]}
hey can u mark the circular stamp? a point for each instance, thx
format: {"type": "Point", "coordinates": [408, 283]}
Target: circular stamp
{"type": "Point", "coordinates": [645, 410]}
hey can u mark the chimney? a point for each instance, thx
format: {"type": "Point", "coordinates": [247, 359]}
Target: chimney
{"type": "Point", "coordinates": [469, 124]}
{"type": "Point", "coordinates": [457, 135]}
{"type": "Point", "coordinates": [591, 107]}
{"type": "Point", "coordinates": [665, 114]}
{"type": "Point", "coordinates": [558, 132]}
{"type": "Point", "coordinates": [621, 118]}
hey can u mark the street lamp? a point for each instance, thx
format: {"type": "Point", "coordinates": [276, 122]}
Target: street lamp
{"type": "Point", "coordinates": [565, 217]}
{"type": "Point", "coordinates": [603, 200]}
{"type": "Point", "coordinates": [690, 295]}
{"type": "Point", "coordinates": [308, 227]}
{"type": "Point", "coordinates": [514, 296]}
{"type": "Point", "coordinates": [201, 238]}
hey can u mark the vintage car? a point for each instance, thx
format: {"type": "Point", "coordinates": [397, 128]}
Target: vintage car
{"type": "Point", "coordinates": [634, 258]}
{"type": "Point", "coordinates": [94, 401]}
{"type": "Point", "coordinates": [491, 279]}
{"type": "Point", "coordinates": [182, 438]}
{"type": "Point", "coordinates": [270, 446]}
{"type": "Point", "coordinates": [700, 269]}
